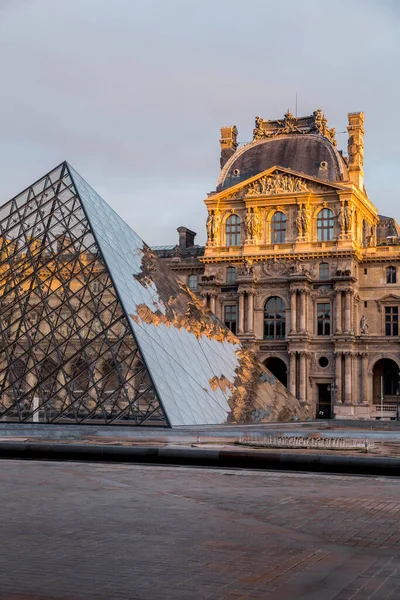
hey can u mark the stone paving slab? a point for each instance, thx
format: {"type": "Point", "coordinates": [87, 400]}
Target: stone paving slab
{"type": "Point", "coordinates": [73, 531]}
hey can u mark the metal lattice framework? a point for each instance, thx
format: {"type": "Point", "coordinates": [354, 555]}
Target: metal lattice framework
{"type": "Point", "coordinates": [95, 329]}
{"type": "Point", "coordinates": [67, 351]}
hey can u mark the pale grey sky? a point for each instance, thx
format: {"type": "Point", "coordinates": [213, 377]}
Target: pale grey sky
{"type": "Point", "coordinates": [133, 92]}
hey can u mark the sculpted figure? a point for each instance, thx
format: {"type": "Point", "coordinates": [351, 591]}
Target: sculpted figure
{"type": "Point", "coordinates": [306, 219]}
{"type": "Point", "coordinates": [213, 225]}
{"type": "Point", "coordinates": [364, 325]}
{"type": "Point", "coordinates": [250, 223]}
{"type": "Point", "coordinates": [345, 218]}
{"type": "Point", "coordinates": [299, 220]}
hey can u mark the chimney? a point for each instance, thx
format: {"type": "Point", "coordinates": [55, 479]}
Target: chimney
{"type": "Point", "coordinates": [355, 148]}
{"type": "Point", "coordinates": [228, 143]}
{"type": "Point", "coordinates": [186, 237]}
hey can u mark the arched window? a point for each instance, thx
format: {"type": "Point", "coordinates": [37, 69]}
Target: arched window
{"type": "Point", "coordinates": [278, 228]}
{"type": "Point", "coordinates": [231, 275]}
{"type": "Point", "coordinates": [192, 282]}
{"type": "Point", "coordinates": [325, 225]}
{"type": "Point", "coordinates": [324, 271]}
{"type": "Point", "coordinates": [391, 275]}
{"type": "Point", "coordinates": [233, 231]}
{"type": "Point", "coordinates": [274, 318]}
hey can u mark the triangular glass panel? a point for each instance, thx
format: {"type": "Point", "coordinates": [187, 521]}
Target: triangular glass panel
{"type": "Point", "coordinates": [95, 329]}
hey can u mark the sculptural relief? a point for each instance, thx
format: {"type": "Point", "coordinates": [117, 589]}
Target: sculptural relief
{"type": "Point", "coordinates": [303, 220]}
{"type": "Point", "coordinates": [213, 225]}
{"type": "Point", "coordinates": [346, 217]}
{"type": "Point", "coordinates": [364, 325]}
{"type": "Point", "coordinates": [280, 183]}
{"type": "Point", "coordinates": [253, 222]}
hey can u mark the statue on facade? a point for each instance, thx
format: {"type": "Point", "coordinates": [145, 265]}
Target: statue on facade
{"type": "Point", "coordinates": [303, 220]}
{"type": "Point", "coordinates": [364, 325]}
{"type": "Point", "coordinates": [258, 132]}
{"type": "Point", "coordinates": [247, 268]}
{"type": "Point", "coordinates": [213, 222]}
{"type": "Point", "coordinates": [253, 223]}
{"type": "Point", "coordinates": [345, 217]}
{"type": "Point", "coordinates": [250, 222]}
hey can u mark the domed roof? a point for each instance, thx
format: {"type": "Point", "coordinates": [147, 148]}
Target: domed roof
{"type": "Point", "coordinates": [310, 154]}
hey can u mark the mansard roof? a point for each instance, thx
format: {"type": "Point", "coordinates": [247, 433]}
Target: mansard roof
{"type": "Point", "coordinates": [311, 154]}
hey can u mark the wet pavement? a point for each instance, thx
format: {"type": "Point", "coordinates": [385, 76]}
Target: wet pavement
{"type": "Point", "coordinates": [77, 531]}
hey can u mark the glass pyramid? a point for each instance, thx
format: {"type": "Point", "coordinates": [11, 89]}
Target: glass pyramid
{"type": "Point", "coordinates": [95, 329]}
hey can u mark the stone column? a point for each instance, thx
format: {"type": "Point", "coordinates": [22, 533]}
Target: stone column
{"type": "Point", "coordinates": [303, 376]}
{"type": "Point", "coordinates": [347, 311]}
{"type": "Point", "coordinates": [338, 376]}
{"type": "Point", "coordinates": [221, 309]}
{"type": "Point", "coordinates": [302, 311]}
{"type": "Point", "coordinates": [293, 311]}
{"type": "Point", "coordinates": [356, 325]}
{"type": "Point", "coordinates": [338, 306]}
{"type": "Point", "coordinates": [355, 376]}
{"type": "Point", "coordinates": [241, 313]}
{"type": "Point", "coordinates": [213, 303]}
{"type": "Point", "coordinates": [292, 373]}
{"type": "Point", "coordinates": [364, 378]}
{"type": "Point", "coordinates": [250, 312]}
{"type": "Point", "coordinates": [347, 377]}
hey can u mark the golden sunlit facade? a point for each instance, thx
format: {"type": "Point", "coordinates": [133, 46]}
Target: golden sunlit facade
{"type": "Point", "coordinates": [301, 267]}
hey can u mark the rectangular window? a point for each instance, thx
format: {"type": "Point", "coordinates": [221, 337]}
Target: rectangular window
{"type": "Point", "coordinates": [324, 318]}
{"type": "Point", "coordinates": [391, 320]}
{"type": "Point", "coordinates": [230, 317]}
{"type": "Point", "coordinates": [391, 275]}
{"type": "Point", "coordinates": [365, 271]}
{"type": "Point", "coordinates": [365, 304]}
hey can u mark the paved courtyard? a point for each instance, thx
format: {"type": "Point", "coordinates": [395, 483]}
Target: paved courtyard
{"type": "Point", "coordinates": [79, 531]}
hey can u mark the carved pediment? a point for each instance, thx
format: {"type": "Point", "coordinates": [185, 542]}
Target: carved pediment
{"type": "Point", "coordinates": [282, 183]}
{"type": "Point", "coordinates": [276, 181]}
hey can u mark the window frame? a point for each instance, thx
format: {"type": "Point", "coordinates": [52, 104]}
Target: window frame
{"type": "Point", "coordinates": [231, 270]}
{"type": "Point", "coordinates": [325, 225]}
{"type": "Point", "coordinates": [391, 275]}
{"type": "Point", "coordinates": [324, 323]}
{"type": "Point", "coordinates": [391, 324]}
{"type": "Point", "coordinates": [327, 271]}
{"type": "Point", "coordinates": [278, 233]}
{"type": "Point", "coordinates": [233, 230]}
{"type": "Point", "coordinates": [193, 289]}
{"type": "Point", "coordinates": [231, 323]}
{"type": "Point", "coordinates": [275, 323]}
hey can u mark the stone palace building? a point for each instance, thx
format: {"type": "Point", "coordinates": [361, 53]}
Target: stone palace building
{"type": "Point", "coordinates": [300, 265]}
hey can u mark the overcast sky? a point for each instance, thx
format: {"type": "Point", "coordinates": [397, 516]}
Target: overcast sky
{"type": "Point", "coordinates": [133, 92]}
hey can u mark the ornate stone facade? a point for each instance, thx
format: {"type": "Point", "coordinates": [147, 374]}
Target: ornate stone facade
{"type": "Point", "coordinates": [299, 263]}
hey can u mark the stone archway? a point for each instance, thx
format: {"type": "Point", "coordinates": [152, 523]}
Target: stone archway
{"type": "Point", "coordinates": [278, 368]}
{"type": "Point", "coordinates": [385, 378]}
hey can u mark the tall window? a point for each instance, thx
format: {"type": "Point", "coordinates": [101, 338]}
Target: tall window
{"type": "Point", "coordinates": [192, 283]}
{"type": "Point", "coordinates": [325, 225]}
{"type": "Point", "coordinates": [278, 228]}
{"type": "Point", "coordinates": [231, 275]}
{"type": "Point", "coordinates": [274, 319]}
{"type": "Point", "coordinates": [233, 231]}
{"type": "Point", "coordinates": [324, 318]}
{"type": "Point", "coordinates": [391, 275]}
{"type": "Point", "coordinates": [324, 271]}
{"type": "Point", "coordinates": [230, 317]}
{"type": "Point", "coordinates": [391, 320]}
